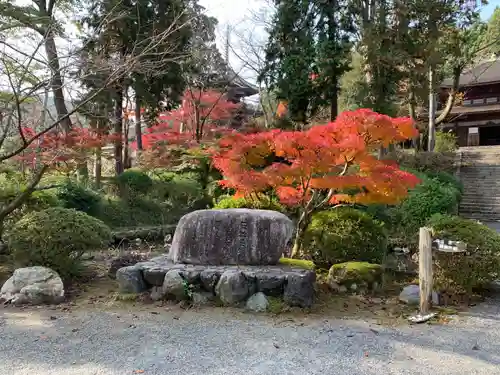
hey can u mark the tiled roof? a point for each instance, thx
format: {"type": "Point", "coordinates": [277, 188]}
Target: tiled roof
{"type": "Point", "coordinates": [484, 72]}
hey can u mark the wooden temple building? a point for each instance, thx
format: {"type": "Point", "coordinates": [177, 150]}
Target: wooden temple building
{"type": "Point", "coordinates": [476, 118]}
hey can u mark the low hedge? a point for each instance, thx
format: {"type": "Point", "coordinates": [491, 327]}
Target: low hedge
{"type": "Point", "coordinates": [473, 269]}
{"type": "Point", "coordinates": [344, 234]}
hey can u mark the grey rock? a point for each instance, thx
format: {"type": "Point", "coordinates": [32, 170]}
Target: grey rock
{"type": "Point", "coordinates": [130, 280]}
{"type": "Point", "coordinates": [34, 285]}
{"type": "Point", "coordinates": [124, 261]}
{"type": "Point", "coordinates": [209, 278]}
{"type": "Point", "coordinates": [232, 287]}
{"type": "Point", "coordinates": [154, 275]}
{"type": "Point", "coordinates": [202, 298]}
{"type": "Point", "coordinates": [154, 270]}
{"type": "Point", "coordinates": [231, 237]}
{"type": "Point", "coordinates": [192, 274]}
{"type": "Point", "coordinates": [342, 289]}
{"type": "Point", "coordinates": [271, 282]}
{"type": "Point", "coordinates": [494, 287]}
{"type": "Point", "coordinates": [157, 293]}
{"type": "Point", "coordinates": [299, 289]}
{"type": "Point", "coordinates": [411, 295]}
{"type": "Point", "coordinates": [257, 302]}
{"type": "Point", "coordinates": [173, 286]}
{"type": "Point", "coordinates": [354, 287]}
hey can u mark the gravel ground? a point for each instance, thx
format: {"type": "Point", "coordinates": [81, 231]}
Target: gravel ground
{"type": "Point", "coordinates": [92, 342]}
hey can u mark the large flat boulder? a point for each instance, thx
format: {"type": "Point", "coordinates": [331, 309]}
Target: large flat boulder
{"type": "Point", "coordinates": [231, 237]}
{"type": "Point", "coordinates": [33, 285]}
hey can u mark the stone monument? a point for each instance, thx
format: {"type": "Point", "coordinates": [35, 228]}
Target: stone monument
{"type": "Point", "coordinates": [228, 254]}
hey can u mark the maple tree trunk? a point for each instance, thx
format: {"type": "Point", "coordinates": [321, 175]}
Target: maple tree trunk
{"type": "Point", "coordinates": [199, 130]}
{"type": "Point", "coordinates": [299, 234]}
{"type": "Point", "coordinates": [7, 209]}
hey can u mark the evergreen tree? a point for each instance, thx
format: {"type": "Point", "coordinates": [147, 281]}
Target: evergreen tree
{"type": "Point", "coordinates": [491, 39]}
{"type": "Point", "coordinates": [291, 56]}
{"type": "Point", "coordinates": [334, 29]}
{"type": "Point", "coordinates": [138, 44]}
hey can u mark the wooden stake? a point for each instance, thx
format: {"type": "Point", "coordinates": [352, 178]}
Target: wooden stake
{"type": "Point", "coordinates": [425, 269]}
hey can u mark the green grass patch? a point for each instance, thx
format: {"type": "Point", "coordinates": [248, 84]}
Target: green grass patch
{"type": "Point", "coordinates": [276, 305]}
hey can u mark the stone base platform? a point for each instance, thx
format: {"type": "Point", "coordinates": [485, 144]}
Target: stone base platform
{"type": "Point", "coordinates": [232, 285]}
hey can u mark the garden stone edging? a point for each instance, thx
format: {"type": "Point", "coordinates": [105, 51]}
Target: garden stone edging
{"type": "Point", "coordinates": [232, 284]}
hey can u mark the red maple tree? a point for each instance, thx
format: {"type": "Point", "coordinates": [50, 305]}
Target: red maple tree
{"type": "Point", "coordinates": [56, 148]}
{"type": "Point", "coordinates": [331, 164]}
{"type": "Point", "coordinates": [203, 117]}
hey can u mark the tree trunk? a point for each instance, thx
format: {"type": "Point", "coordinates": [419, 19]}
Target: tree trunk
{"type": "Point", "coordinates": [118, 130]}
{"type": "Point", "coordinates": [432, 112]}
{"type": "Point", "coordinates": [334, 105]}
{"type": "Point", "coordinates": [299, 234]}
{"type": "Point", "coordinates": [98, 167]}
{"type": "Point", "coordinates": [138, 128]}
{"type": "Point", "coordinates": [56, 83]}
{"type": "Point", "coordinates": [199, 125]}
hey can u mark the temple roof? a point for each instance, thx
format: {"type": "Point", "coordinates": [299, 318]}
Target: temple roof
{"type": "Point", "coordinates": [484, 72]}
{"type": "Point", "coordinates": [236, 81]}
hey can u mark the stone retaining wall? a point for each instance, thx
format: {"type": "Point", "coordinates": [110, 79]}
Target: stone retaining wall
{"type": "Point", "coordinates": [232, 285]}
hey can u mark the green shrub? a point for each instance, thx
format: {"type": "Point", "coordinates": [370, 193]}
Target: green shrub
{"type": "Point", "coordinates": [447, 178]}
{"type": "Point", "coordinates": [11, 184]}
{"type": "Point", "coordinates": [134, 182]}
{"type": "Point", "coordinates": [263, 202]}
{"type": "Point", "coordinates": [56, 238]}
{"type": "Point", "coordinates": [425, 161]}
{"type": "Point", "coordinates": [78, 197]}
{"type": "Point", "coordinates": [345, 234]}
{"type": "Point", "coordinates": [445, 142]}
{"type": "Point", "coordinates": [464, 272]}
{"type": "Point", "coordinates": [180, 189]}
{"type": "Point", "coordinates": [119, 213]}
{"type": "Point", "coordinates": [431, 196]}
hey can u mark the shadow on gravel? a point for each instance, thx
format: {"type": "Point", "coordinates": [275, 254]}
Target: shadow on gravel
{"type": "Point", "coordinates": [116, 343]}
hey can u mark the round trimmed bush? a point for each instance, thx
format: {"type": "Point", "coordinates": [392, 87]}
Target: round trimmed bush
{"type": "Point", "coordinates": [345, 234]}
{"type": "Point", "coordinates": [56, 238]}
{"type": "Point", "coordinates": [134, 181]}
{"type": "Point", "coordinates": [435, 195]}
{"type": "Point", "coordinates": [261, 203]}
{"type": "Point", "coordinates": [465, 272]}
{"type": "Point", "coordinates": [78, 197]}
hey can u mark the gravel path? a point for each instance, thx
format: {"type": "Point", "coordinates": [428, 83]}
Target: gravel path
{"type": "Point", "coordinates": [115, 343]}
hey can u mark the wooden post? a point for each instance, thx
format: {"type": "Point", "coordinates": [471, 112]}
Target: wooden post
{"type": "Point", "coordinates": [425, 269]}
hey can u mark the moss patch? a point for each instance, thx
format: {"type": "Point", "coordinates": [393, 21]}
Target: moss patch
{"type": "Point", "coordinates": [362, 273]}
{"type": "Point", "coordinates": [297, 263]}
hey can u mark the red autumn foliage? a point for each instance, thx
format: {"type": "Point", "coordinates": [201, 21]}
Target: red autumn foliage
{"type": "Point", "coordinates": [202, 118]}
{"type": "Point", "coordinates": [334, 158]}
{"type": "Point", "coordinates": [57, 147]}
{"type": "Point", "coordinates": [326, 165]}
